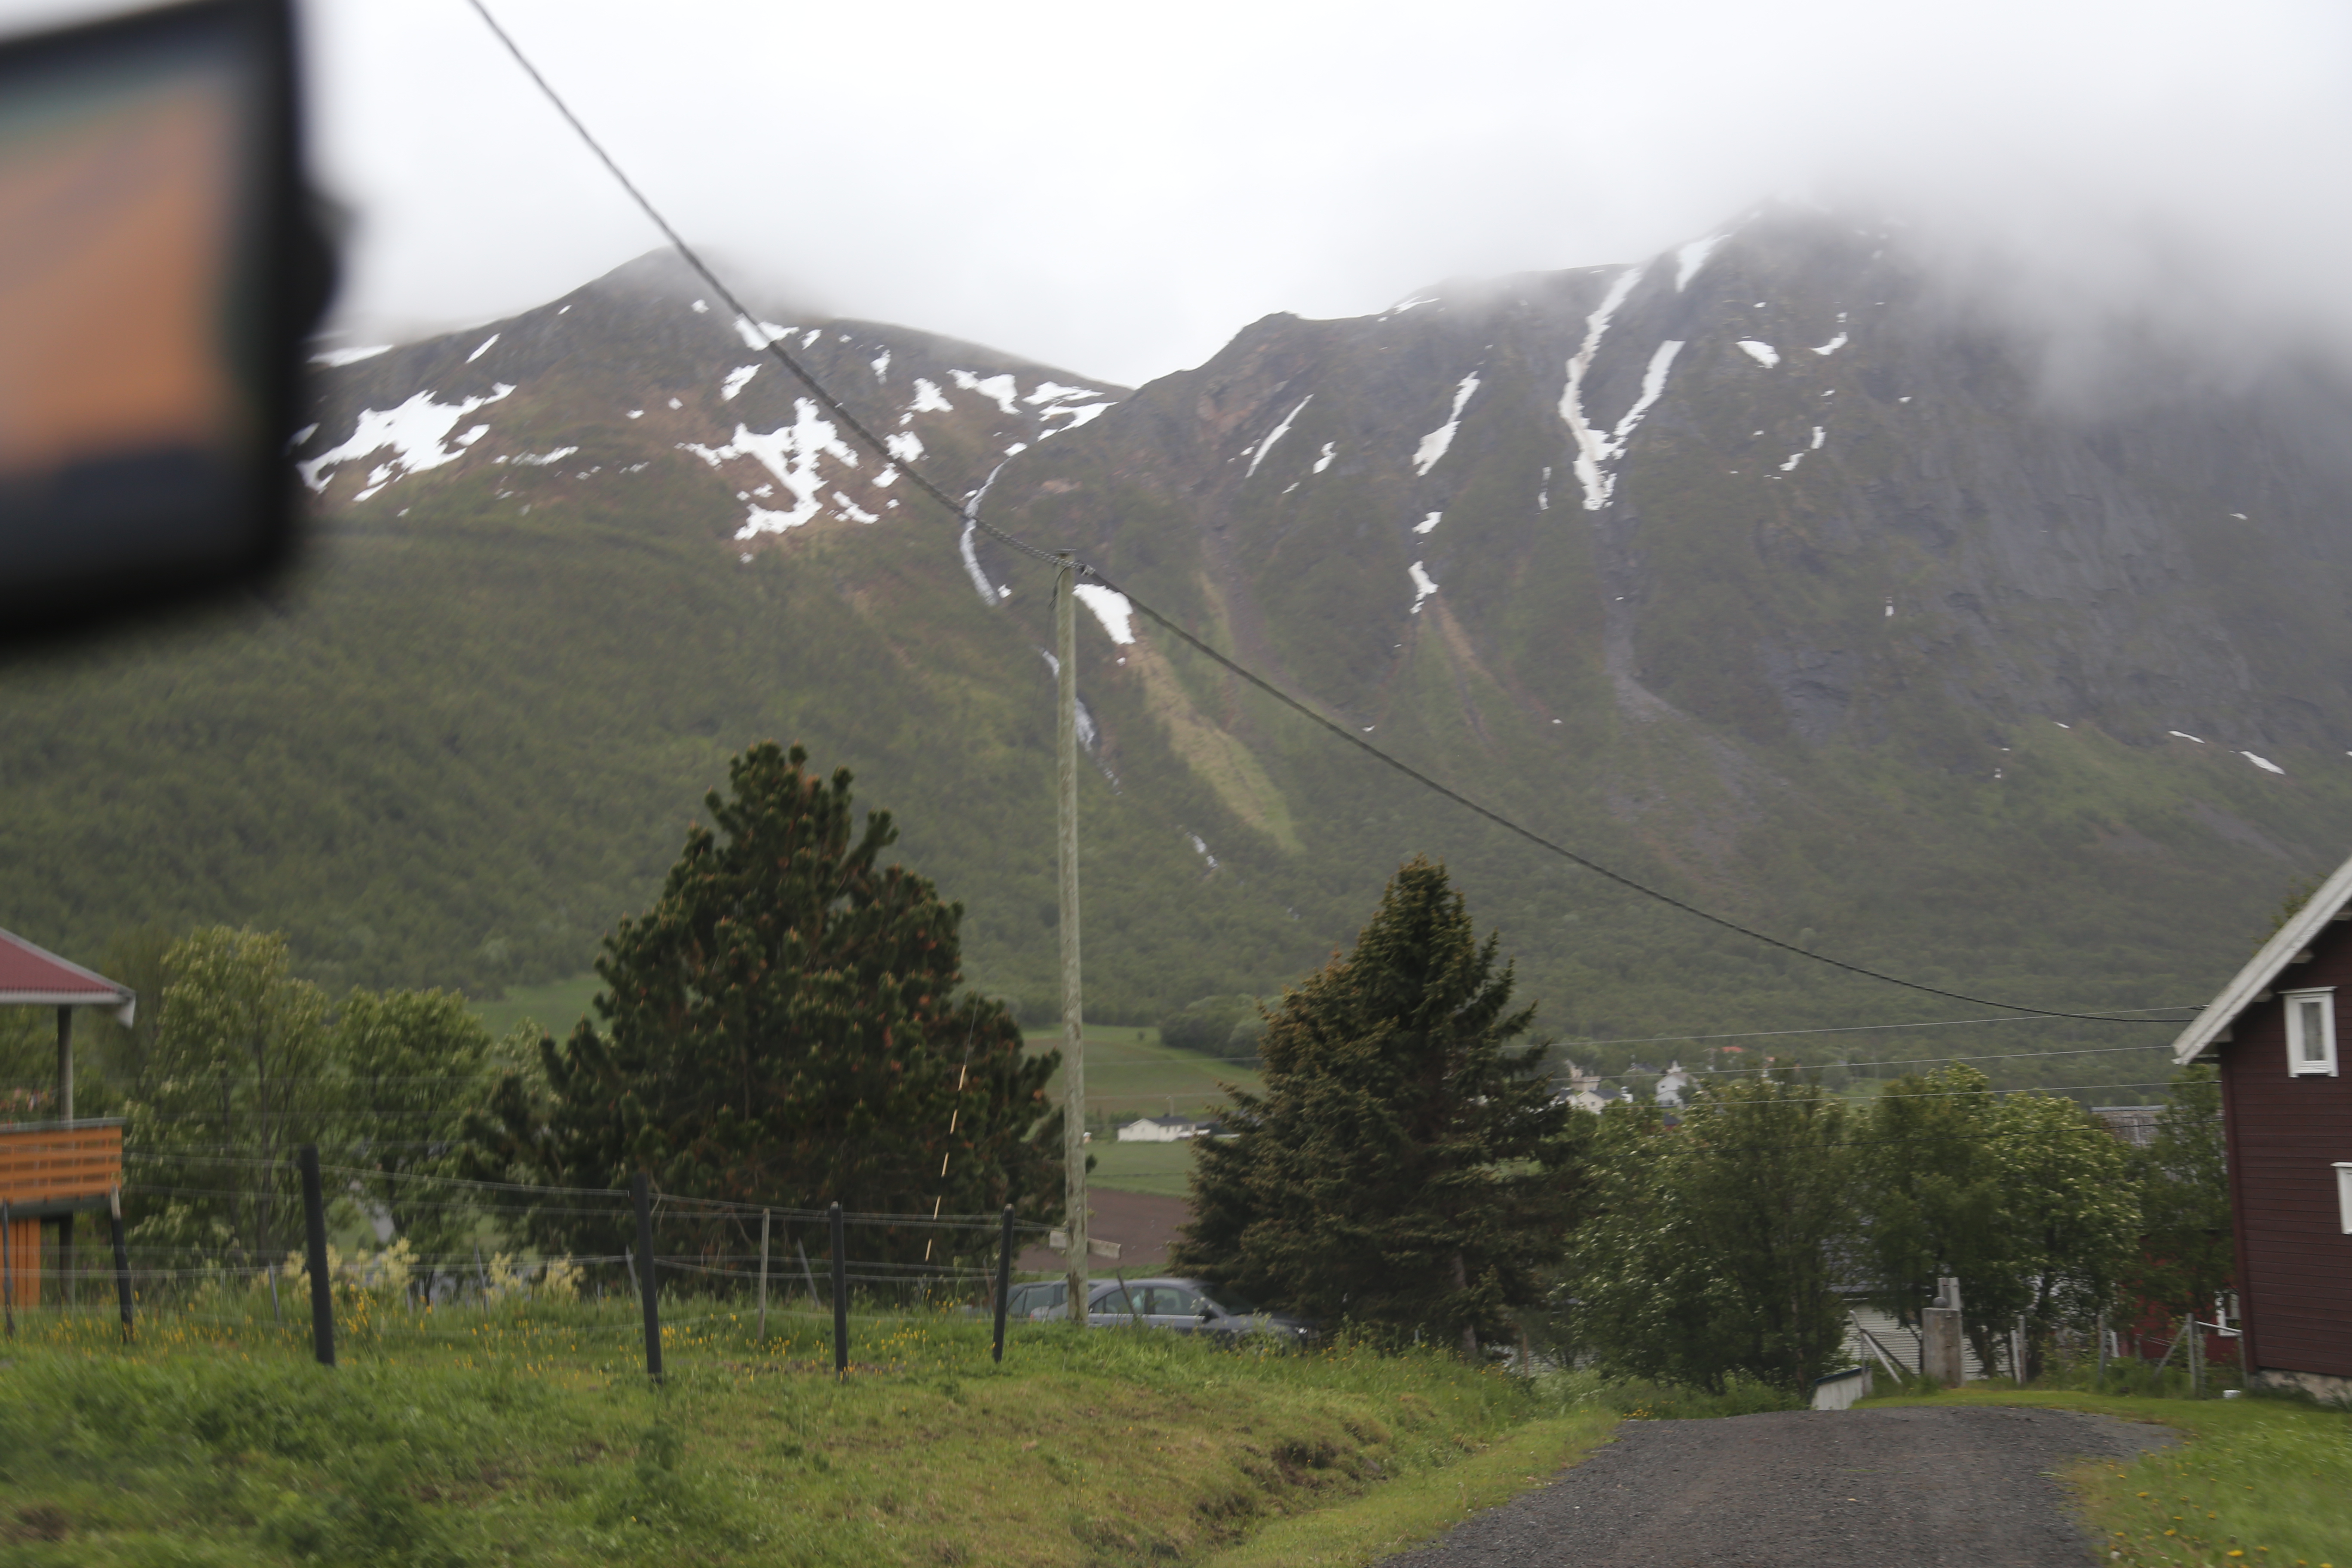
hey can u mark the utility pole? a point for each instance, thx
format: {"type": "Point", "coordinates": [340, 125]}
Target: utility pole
{"type": "Point", "coordinates": [1074, 1042]}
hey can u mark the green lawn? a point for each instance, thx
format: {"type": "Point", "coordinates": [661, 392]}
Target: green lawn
{"type": "Point", "coordinates": [1129, 1074]}
{"type": "Point", "coordinates": [2254, 1481]}
{"type": "Point", "coordinates": [555, 1007]}
{"type": "Point", "coordinates": [1164, 1169]}
{"type": "Point", "coordinates": [528, 1435]}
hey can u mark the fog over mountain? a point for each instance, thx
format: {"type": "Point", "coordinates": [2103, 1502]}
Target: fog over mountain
{"type": "Point", "coordinates": [1114, 189]}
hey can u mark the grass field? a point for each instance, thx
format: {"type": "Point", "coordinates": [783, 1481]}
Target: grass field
{"type": "Point", "coordinates": [556, 1006]}
{"type": "Point", "coordinates": [1162, 1169]}
{"type": "Point", "coordinates": [529, 1435]}
{"type": "Point", "coordinates": [1129, 1074]}
{"type": "Point", "coordinates": [2254, 1481]}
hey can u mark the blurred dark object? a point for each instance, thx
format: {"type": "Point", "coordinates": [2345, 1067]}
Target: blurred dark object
{"type": "Point", "coordinates": [159, 268]}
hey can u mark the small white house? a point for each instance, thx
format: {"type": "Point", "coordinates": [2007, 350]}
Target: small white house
{"type": "Point", "coordinates": [1673, 1085]}
{"type": "Point", "coordinates": [1161, 1130]}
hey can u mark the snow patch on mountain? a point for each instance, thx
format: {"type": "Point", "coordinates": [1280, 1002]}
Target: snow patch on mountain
{"type": "Point", "coordinates": [483, 350]}
{"type": "Point", "coordinates": [1003, 389]}
{"type": "Point", "coordinates": [1079, 414]}
{"type": "Point", "coordinates": [351, 356]}
{"type": "Point", "coordinates": [1764, 355]}
{"type": "Point", "coordinates": [928, 399]}
{"type": "Point", "coordinates": [1276, 434]}
{"type": "Point", "coordinates": [1433, 445]}
{"type": "Point", "coordinates": [1596, 448]}
{"type": "Point", "coordinates": [1422, 585]}
{"type": "Point", "coordinates": [414, 431]}
{"type": "Point", "coordinates": [1323, 461]}
{"type": "Point", "coordinates": [759, 335]}
{"type": "Point", "coordinates": [1111, 608]}
{"type": "Point", "coordinates": [905, 446]}
{"type": "Point", "coordinates": [1691, 258]}
{"type": "Point", "coordinates": [736, 380]}
{"type": "Point", "coordinates": [794, 454]}
{"type": "Point", "coordinates": [1429, 522]}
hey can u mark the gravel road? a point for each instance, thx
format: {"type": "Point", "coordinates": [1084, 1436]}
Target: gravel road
{"type": "Point", "coordinates": [1921, 1487]}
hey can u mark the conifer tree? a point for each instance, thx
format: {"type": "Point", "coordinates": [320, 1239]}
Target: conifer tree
{"type": "Point", "coordinates": [1403, 1170]}
{"type": "Point", "coordinates": [783, 1026]}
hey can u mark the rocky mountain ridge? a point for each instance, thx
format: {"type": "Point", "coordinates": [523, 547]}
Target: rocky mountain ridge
{"type": "Point", "coordinates": [1768, 571]}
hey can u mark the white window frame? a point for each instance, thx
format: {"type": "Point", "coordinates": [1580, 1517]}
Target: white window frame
{"type": "Point", "coordinates": [2344, 1193]}
{"type": "Point", "coordinates": [2298, 1066]}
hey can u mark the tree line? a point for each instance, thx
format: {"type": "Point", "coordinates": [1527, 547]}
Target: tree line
{"type": "Point", "coordinates": [1407, 1171]}
{"type": "Point", "coordinates": [788, 1024]}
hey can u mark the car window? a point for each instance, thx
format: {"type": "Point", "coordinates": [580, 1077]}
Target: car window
{"type": "Point", "coordinates": [1173, 1301]}
{"type": "Point", "coordinates": [1233, 1304]}
{"type": "Point", "coordinates": [1036, 1298]}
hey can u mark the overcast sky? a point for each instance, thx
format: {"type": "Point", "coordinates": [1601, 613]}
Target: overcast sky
{"type": "Point", "coordinates": [1116, 189]}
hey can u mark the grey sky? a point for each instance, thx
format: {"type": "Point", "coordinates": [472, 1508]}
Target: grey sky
{"type": "Point", "coordinates": [1117, 189]}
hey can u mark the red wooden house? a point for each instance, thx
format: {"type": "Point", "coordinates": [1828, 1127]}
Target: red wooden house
{"type": "Point", "coordinates": [54, 1169]}
{"type": "Point", "coordinates": [2286, 1103]}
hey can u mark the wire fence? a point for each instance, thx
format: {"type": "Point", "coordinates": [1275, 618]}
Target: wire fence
{"type": "Point", "coordinates": [807, 1268]}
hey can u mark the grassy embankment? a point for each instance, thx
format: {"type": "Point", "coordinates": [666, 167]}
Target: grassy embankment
{"type": "Point", "coordinates": [2253, 1481]}
{"type": "Point", "coordinates": [528, 1435]}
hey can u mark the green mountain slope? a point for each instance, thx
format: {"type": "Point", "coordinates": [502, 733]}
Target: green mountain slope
{"type": "Point", "coordinates": [545, 605]}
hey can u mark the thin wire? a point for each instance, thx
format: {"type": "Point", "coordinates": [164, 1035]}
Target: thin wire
{"type": "Point", "coordinates": [1866, 1028]}
{"type": "Point", "coordinates": [969, 512]}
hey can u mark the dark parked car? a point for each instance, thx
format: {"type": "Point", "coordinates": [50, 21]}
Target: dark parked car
{"type": "Point", "coordinates": [1184, 1306]}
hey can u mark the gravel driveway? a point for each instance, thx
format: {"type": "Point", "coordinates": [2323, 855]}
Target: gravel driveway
{"type": "Point", "coordinates": [1916, 1487]}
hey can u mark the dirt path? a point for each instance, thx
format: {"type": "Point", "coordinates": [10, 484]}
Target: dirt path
{"type": "Point", "coordinates": [1144, 1223]}
{"type": "Point", "coordinates": [1922, 1488]}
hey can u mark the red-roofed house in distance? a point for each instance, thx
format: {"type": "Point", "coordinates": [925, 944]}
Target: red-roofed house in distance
{"type": "Point", "coordinates": [2286, 1107]}
{"type": "Point", "coordinates": [52, 1169]}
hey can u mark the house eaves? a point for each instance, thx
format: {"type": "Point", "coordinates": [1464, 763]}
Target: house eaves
{"type": "Point", "coordinates": [2249, 985]}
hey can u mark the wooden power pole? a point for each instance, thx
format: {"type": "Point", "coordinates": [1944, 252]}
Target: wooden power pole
{"type": "Point", "coordinates": [1074, 1045]}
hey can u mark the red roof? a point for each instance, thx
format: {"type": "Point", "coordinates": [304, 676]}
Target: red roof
{"type": "Point", "coordinates": [30, 974]}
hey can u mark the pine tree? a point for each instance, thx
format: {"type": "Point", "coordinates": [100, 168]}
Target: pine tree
{"type": "Point", "coordinates": [1403, 1170]}
{"type": "Point", "coordinates": [783, 1028]}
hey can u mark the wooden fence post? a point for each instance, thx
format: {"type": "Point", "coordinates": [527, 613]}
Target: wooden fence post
{"type": "Point", "coordinates": [7, 1269]}
{"type": "Point", "coordinates": [764, 1275]}
{"type": "Point", "coordinates": [641, 1191]}
{"type": "Point", "coordinates": [314, 1235]}
{"type": "Point", "coordinates": [121, 1261]}
{"type": "Point", "coordinates": [1003, 1281]}
{"type": "Point", "coordinates": [840, 1296]}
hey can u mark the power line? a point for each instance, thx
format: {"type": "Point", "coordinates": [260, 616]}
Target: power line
{"type": "Point", "coordinates": [967, 512]}
{"type": "Point", "coordinates": [1866, 1028]}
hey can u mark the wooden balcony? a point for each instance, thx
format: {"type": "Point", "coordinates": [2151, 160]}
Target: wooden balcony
{"type": "Point", "coordinates": [49, 1170]}
{"type": "Point", "coordinates": [52, 1168]}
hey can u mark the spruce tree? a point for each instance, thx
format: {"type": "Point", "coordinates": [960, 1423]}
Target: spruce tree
{"type": "Point", "coordinates": [784, 1026]}
{"type": "Point", "coordinates": [1403, 1170]}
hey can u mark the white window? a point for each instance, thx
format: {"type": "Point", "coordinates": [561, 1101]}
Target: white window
{"type": "Point", "coordinates": [2310, 1031]}
{"type": "Point", "coordinates": [2343, 1195]}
